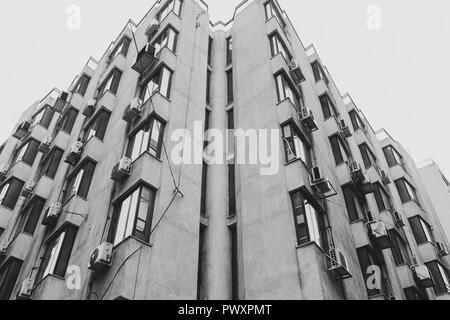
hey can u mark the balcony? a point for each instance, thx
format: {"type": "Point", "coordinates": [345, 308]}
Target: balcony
{"type": "Point", "coordinates": [273, 25]}
{"type": "Point", "coordinates": [44, 187]}
{"type": "Point", "coordinates": [412, 209]}
{"type": "Point", "coordinates": [427, 252]}
{"type": "Point", "coordinates": [124, 283]}
{"type": "Point", "coordinates": [94, 148]}
{"type": "Point", "coordinates": [398, 172]}
{"type": "Point", "coordinates": [38, 133]}
{"type": "Point", "coordinates": [145, 59]}
{"type": "Point", "coordinates": [22, 130]}
{"type": "Point", "coordinates": [360, 235]}
{"type": "Point", "coordinates": [77, 101]}
{"type": "Point", "coordinates": [170, 19]}
{"type": "Point", "coordinates": [107, 100]}
{"type": "Point", "coordinates": [20, 170]}
{"type": "Point", "coordinates": [286, 111]}
{"type": "Point", "coordinates": [161, 108]}
{"type": "Point", "coordinates": [74, 212]}
{"type": "Point", "coordinates": [278, 63]}
{"type": "Point", "coordinates": [20, 246]}
{"type": "Point", "coordinates": [297, 176]}
{"type": "Point", "coordinates": [62, 140]}
{"type": "Point", "coordinates": [5, 216]}
{"type": "Point", "coordinates": [147, 169]}
{"type": "Point", "coordinates": [406, 276]}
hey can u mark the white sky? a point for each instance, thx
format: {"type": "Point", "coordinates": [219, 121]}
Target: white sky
{"type": "Point", "coordinates": [398, 76]}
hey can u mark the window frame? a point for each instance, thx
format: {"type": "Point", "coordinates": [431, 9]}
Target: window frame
{"type": "Point", "coordinates": [407, 189]}
{"type": "Point", "coordinates": [159, 75]}
{"type": "Point", "coordinates": [422, 230]}
{"type": "Point", "coordinates": [356, 120]}
{"type": "Point", "coordinates": [166, 33]}
{"type": "Point", "coordinates": [7, 194]}
{"type": "Point", "coordinates": [111, 83]}
{"type": "Point", "coordinates": [115, 52]}
{"type": "Point", "coordinates": [297, 143]}
{"type": "Point", "coordinates": [82, 85]}
{"type": "Point", "coordinates": [328, 108]}
{"type": "Point", "coordinates": [150, 122]}
{"type": "Point", "coordinates": [169, 7]}
{"type": "Point", "coordinates": [97, 125]}
{"type": "Point", "coordinates": [276, 42]}
{"type": "Point", "coordinates": [340, 156]}
{"type": "Point", "coordinates": [81, 180]}
{"type": "Point", "coordinates": [441, 277]}
{"type": "Point", "coordinates": [369, 158]}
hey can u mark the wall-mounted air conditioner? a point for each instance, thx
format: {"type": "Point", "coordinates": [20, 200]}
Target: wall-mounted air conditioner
{"type": "Point", "coordinates": [52, 214]}
{"type": "Point", "coordinates": [385, 178]}
{"type": "Point", "coordinates": [133, 111]}
{"type": "Point", "coordinates": [29, 188]}
{"type": "Point", "coordinates": [22, 130]}
{"type": "Point", "coordinates": [338, 264]}
{"type": "Point", "coordinates": [423, 276]}
{"type": "Point", "coordinates": [122, 169]}
{"type": "Point", "coordinates": [296, 72]}
{"type": "Point", "coordinates": [75, 153]}
{"type": "Point", "coordinates": [356, 171]}
{"type": "Point", "coordinates": [25, 290]}
{"type": "Point", "coordinates": [345, 130]}
{"type": "Point", "coordinates": [90, 108]}
{"type": "Point", "coordinates": [4, 244]}
{"type": "Point", "coordinates": [101, 257]}
{"type": "Point", "coordinates": [319, 182]}
{"type": "Point", "coordinates": [44, 147]}
{"type": "Point", "coordinates": [442, 249]}
{"type": "Point", "coordinates": [308, 120]}
{"type": "Point", "coordinates": [379, 234]}
{"type": "Point", "coordinates": [399, 223]}
{"type": "Point", "coordinates": [61, 102]}
{"type": "Point", "coordinates": [146, 58]}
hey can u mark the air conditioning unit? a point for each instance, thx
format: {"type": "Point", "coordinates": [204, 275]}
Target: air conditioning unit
{"type": "Point", "coordinates": [61, 102]}
{"type": "Point", "coordinates": [44, 147]}
{"type": "Point", "coordinates": [122, 170]}
{"type": "Point", "coordinates": [152, 28]}
{"type": "Point", "coordinates": [399, 223]}
{"type": "Point", "coordinates": [423, 276]}
{"type": "Point", "coordinates": [133, 111]}
{"type": "Point", "coordinates": [296, 72]}
{"type": "Point", "coordinates": [337, 263]}
{"type": "Point", "coordinates": [4, 247]}
{"type": "Point", "coordinates": [101, 257]}
{"type": "Point", "coordinates": [75, 153]}
{"type": "Point", "coordinates": [25, 290]}
{"type": "Point", "coordinates": [51, 214]}
{"type": "Point", "coordinates": [322, 184]}
{"type": "Point", "coordinates": [29, 188]}
{"type": "Point", "coordinates": [308, 120]}
{"type": "Point", "coordinates": [145, 59]}
{"type": "Point", "coordinates": [345, 130]}
{"type": "Point", "coordinates": [441, 249]}
{"type": "Point", "coordinates": [356, 172]}
{"type": "Point", "coordinates": [22, 130]}
{"type": "Point", "coordinates": [379, 234]}
{"type": "Point", "coordinates": [385, 178]}
{"type": "Point", "coordinates": [90, 108]}
{"type": "Point", "coordinates": [4, 171]}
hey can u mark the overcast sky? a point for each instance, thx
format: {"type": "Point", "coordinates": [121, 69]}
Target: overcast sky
{"type": "Point", "coordinates": [397, 74]}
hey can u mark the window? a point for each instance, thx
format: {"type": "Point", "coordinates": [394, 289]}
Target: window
{"type": "Point", "coordinates": [172, 5]}
{"type": "Point", "coordinates": [319, 73]}
{"type": "Point", "coordinates": [441, 277]}
{"type": "Point", "coordinates": [44, 117]}
{"type": "Point", "coordinates": [204, 170]}
{"type": "Point", "coordinates": [210, 44]}
{"type": "Point", "coordinates": [400, 248]}
{"type": "Point", "coordinates": [161, 81]}
{"type": "Point", "coordinates": [208, 87]}
{"type": "Point", "coordinates": [413, 293]}
{"type": "Point", "coordinates": [229, 50]}
{"type": "Point", "coordinates": [368, 157]}
{"type": "Point", "coordinates": [10, 193]}
{"type": "Point", "coordinates": [68, 120]}
{"type": "Point", "coordinates": [27, 152]}
{"type": "Point", "coordinates": [133, 216]}
{"type": "Point", "coordinates": [111, 83]}
{"type": "Point", "coordinates": [79, 181]}
{"type": "Point", "coordinates": [366, 260]}
{"type": "Point", "coordinates": [82, 85]}
{"type": "Point", "coordinates": [381, 197]}
{"type": "Point", "coordinates": [277, 46]}
{"type": "Point", "coordinates": [285, 89]}
{"type": "Point", "coordinates": [309, 222]}
{"type": "Point", "coordinates": [421, 230]}
{"type": "Point", "coordinates": [121, 48]}
{"type": "Point", "coordinates": [51, 164]}
{"type": "Point", "coordinates": [57, 253]}
{"type": "Point", "coordinates": [393, 158]}
{"type": "Point", "coordinates": [232, 190]}
{"type": "Point", "coordinates": [1, 231]}
{"type": "Point", "coordinates": [29, 217]}
{"type": "Point", "coordinates": [355, 208]}
{"type": "Point", "coordinates": [328, 108]}
{"type": "Point", "coordinates": [272, 11]}
{"type": "Point", "coordinates": [149, 139]}
{"type": "Point", "coordinates": [168, 38]}
{"type": "Point", "coordinates": [339, 152]}
{"type": "Point", "coordinates": [230, 95]}
{"type": "Point", "coordinates": [356, 120]}
{"type": "Point", "coordinates": [97, 126]}
{"type": "Point", "coordinates": [8, 277]}
{"type": "Point", "coordinates": [406, 190]}
{"type": "Point", "coordinates": [294, 144]}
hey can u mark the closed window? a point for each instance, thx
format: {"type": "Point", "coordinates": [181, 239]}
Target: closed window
{"type": "Point", "coordinates": [229, 50]}
{"type": "Point", "coordinates": [356, 120]}
{"type": "Point", "coordinates": [43, 118]}
{"type": "Point", "coordinates": [148, 138]}
{"type": "Point", "coordinates": [133, 216]}
{"type": "Point", "coordinates": [210, 44]}
{"type": "Point", "coordinates": [111, 83]}
{"type": "Point", "coordinates": [285, 90]}
{"type": "Point", "coordinates": [172, 5]}
{"type": "Point", "coordinates": [393, 158]}
{"type": "Point", "coordinates": [309, 221]}
{"type": "Point", "coordinates": [368, 157]}
{"type": "Point", "coordinates": [294, 145]}
{"type": "Point", "coordinates": [9, 274]}
{"type": "Point", "coordinates": [27, 152]}
{"type": "Point", "coordinates": [381, 197]}
{"type": "Point", "coordinates": [441, 277]}
{"type": "Point", "coordinates": [230, 94]}
{"type": "Point", "coordinates": [232, 190]}
{"type": "Point", "coordinates": [68, 121]}
{"type": "Point", "coordinates": [355, 208]}
{"type": "Point", "coordinates": [160, 82]}
{"type": "Point", "coordinates": [277, 46]}
{"type": "Point", "coordinates": [57, 254]}
{"type": "Point", "coordinates": [272, 11]}
{"type": "Point", "coordinates": [30, 216]}
{"type": "Point", "coordinates": [208, 87]}
{"type": "Point", "coordinates": [52, 162]}
{"type": "Point", "coordinates": [339, 151]}
{"type": "Point", "coordinates": [319, 73]}
{"type": "Point", "coordinates": [82, 85]}
{"type": "Point", "coordinates": [79, 181]}
{"type": "Point", "coordinates": [10, 193]}
{"type": "Point", "coordinates": [400, 249]}
{"type": "Point", "coordinates": [328, 107]}
{"type": "Point", "coordinates": [406, 191]}
{"type": "Point", "coordinates": [421, 230]}
{"type": "Point", "coordinates": [121, 48]}
{"type": "Point", "coordinates": [97, 126]}
{"type": "Point", "coordinates": [168, 38]}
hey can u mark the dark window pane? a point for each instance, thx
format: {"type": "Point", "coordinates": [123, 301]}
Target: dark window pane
{"type": "Point", "coordinates": [230, 87]}
{"type": "Point", "coordinates": [366, 260]}
{"type": "Point", "coordinates": [53, 163]}
{"type": "Point", "coordinates": [47, 118]}
{"type": "Point", "coordinates": [379, 198]}
{"type": "Point", "coordinates": [365, 156]}
{"type": "Point", "coordinates": [13, 194]}
{"type": "Point", "coordinates": [231, 190]}
{"type": "Point", "coordinates": [337, 152]}
{"type": "Point", "coordinates": [34, 215]}
{"type": "Point", "coordinates": [65, 252]}
{"type": "Point", "coordinates": [417, 229]}
{"type": "Point", "coordinates": [326, 109]}
{"type": "Point", "coordinates": [8, 278]}
{"type": "Point", "coordinates": [402, 190]}
{"type": "Point", "coordinates": [31, 153]}
{"type": "Point", "coordinates": [86, 180]}
{"type": "Point", "coordinates": [350, 203]}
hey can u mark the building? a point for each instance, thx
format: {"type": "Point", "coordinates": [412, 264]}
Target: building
{"type": "Point", "coordinates": [344, 217]}
{"type": "Point", "coordinates": [438, 189]}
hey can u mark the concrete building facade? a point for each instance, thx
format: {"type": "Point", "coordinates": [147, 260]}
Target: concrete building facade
{"type": "Point", "coordinates": [345, 216]}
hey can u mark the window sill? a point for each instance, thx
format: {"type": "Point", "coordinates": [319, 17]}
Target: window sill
{"type": "Point", "coordinates": [50, 275]}
{"type": "Point", "coordinates": [146, 153]}
{"type": "Point", "coordinates": [147, 244]}
{"type": "Point", "coordinates": [7, 208]}
{"type": "Point", "coordinates": [298, 160]}
{"type": "Point", "coordinates": [310, 243]}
